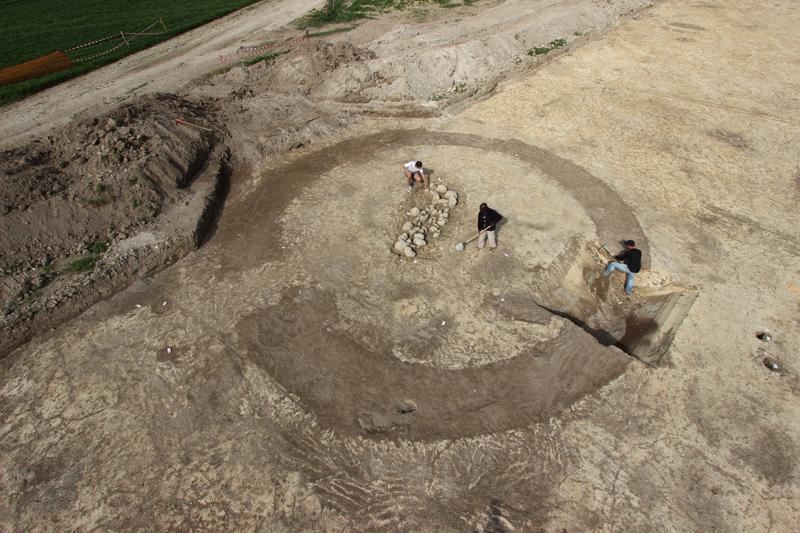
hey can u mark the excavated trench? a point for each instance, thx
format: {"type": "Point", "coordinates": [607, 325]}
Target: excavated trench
{"type": "Point", "coordinates": [642, 326]}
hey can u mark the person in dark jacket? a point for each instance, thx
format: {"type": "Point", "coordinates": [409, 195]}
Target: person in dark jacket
{"type": "Point", "coordinates": [628, 261]}
{"type": "Point", "coordinates": [487, 220]}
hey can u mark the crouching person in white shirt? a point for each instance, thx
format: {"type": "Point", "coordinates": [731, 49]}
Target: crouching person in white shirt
{"type": "Point", "coordinates": [414, 173]}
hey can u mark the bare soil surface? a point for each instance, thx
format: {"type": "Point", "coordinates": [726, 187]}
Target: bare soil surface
{"type": "Point", "coordinates": [293, 374]}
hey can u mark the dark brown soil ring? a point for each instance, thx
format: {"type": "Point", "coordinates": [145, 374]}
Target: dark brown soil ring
{"type": "Point", "coordinates": [358, 390]}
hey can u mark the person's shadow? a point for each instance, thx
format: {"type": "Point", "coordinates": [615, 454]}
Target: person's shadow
{"type": "Point", "coordinates": [497, 227]}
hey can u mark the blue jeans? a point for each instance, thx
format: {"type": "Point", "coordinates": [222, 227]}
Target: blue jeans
{"type": "Point", "coordinates": [622, 267]}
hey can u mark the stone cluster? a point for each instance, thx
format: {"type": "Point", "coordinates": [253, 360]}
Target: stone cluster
{"type": "Point", "coordinates": [426, 223]}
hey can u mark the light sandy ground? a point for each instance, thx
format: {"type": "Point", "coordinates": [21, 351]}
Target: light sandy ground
{"type": "Point", "coordinates": [263, 415]}
{"type": "Point", "coordinates": [690, 112]}
{"type": "Point", "coordinates": [164, 67]}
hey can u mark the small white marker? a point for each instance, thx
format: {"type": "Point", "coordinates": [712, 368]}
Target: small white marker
{"type": "Point", "coordinates": [169, 350]}
{"type": "Point", "coordinates": [138, 306]}
{"type": "Point", "coordinates": [164, 303]}
{"type": "Point", "coordinates": [444, 322]}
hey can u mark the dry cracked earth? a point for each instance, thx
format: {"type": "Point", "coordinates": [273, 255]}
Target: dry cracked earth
{"type": "Point", "coordinates": [292, 374]}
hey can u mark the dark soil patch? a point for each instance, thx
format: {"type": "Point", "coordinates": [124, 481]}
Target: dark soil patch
{"type": "Point", "coordinates": [352, 388]}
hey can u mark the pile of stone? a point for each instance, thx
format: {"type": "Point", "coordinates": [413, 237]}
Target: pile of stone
{"type": "Point", "coordinates": [426, 223]}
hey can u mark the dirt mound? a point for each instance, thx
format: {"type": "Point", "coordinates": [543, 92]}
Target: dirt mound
{"type": "Point", "coordinates": [328, 56]}
{"type": "Point", "coordinates": [77, 198]}
{"type": "Point", "coordinates": [445, 59]}
{"type": "Point", "coordinates": [392, 67]}
{"type": "Point", "coordinates": [96, 179]}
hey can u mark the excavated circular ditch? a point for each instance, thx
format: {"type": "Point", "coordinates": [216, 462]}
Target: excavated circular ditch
{"type": "Point", "coordinates": [341, 337]}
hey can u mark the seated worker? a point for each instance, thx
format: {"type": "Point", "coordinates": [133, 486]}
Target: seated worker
{"type": "Point", "coordinates": [413, 172]}
{"type": "Point", "coordinates": [631, 263]}
{"type": "Point", "coordinates": [487, 220]}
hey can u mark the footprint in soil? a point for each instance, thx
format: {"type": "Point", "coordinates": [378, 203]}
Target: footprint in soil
{"type": "Point", "coordinates": [374, 422]}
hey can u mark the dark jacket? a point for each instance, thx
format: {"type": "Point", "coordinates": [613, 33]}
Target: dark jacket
{"type": "Point", "coordinates": [488, 219]}
{"type": "Point", "coordinates": [632, 259]}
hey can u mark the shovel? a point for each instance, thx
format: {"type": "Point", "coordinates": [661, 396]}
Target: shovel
{"type": "Point", "coordinates": [604, 248]}
{"type": "Point", "coordinates": [460, 246]}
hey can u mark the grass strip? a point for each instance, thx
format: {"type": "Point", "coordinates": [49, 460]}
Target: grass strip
{"type": "Point", "coordinates": [334, 30]}
{"type": "Point", "coordinates": [351, 10]}
{"type": "Point", "coordinates": [271, 56]}
{"type": "Point", "coordinates": [553, 45]}
{"type": "Point", "coordinates": [88, 262]}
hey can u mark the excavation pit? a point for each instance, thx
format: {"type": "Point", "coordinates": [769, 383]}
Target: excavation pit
{"type": "Point", "coordinates": [643, 326]}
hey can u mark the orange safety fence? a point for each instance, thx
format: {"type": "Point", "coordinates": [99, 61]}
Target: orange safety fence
{"type": "Point", "coordinates": [58, 61]}
{"type": "Point", "coordinates": [101, 47]}
{"type": "Point", "coordinates": [35, 68]}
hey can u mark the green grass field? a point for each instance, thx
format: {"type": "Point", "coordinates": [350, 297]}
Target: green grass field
{"type": "Point", "coordinates": [350, 10]}
{"type": "Point", "coordinates": [32, 28]}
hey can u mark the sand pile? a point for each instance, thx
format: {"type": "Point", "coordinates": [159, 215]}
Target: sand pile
{"type": "Point", "coordinates": [395, 67]}
{"type": "Point", "coordinates": [449, 57]}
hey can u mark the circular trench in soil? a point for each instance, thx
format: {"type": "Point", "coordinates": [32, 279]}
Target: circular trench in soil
{"type": "Point", "coordinates": [358, 334]}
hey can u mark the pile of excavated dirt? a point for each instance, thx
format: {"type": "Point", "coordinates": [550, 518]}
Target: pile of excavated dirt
{"type": "Point", "coordinates": [453, 55]}
{"type": "Point", "coordinates": [396, 66]}
{"type": "Point", "coordinates": [89, 206]}
{"type": "Point", "coordinates": [270, 108]}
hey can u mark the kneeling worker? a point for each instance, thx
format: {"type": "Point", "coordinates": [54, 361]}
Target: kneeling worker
{"type": "Point", "coordinates": [629, 261]}
{"type": "Point", "coordinates": [487, 220]}
{"type": "Point", "coordinates": [413, 172]}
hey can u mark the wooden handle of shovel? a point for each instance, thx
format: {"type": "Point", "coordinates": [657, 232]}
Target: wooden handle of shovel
{"type": "Point", "coordinates": [605, 249]}
{"type": "Point", "coordinates": [476, 236]}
